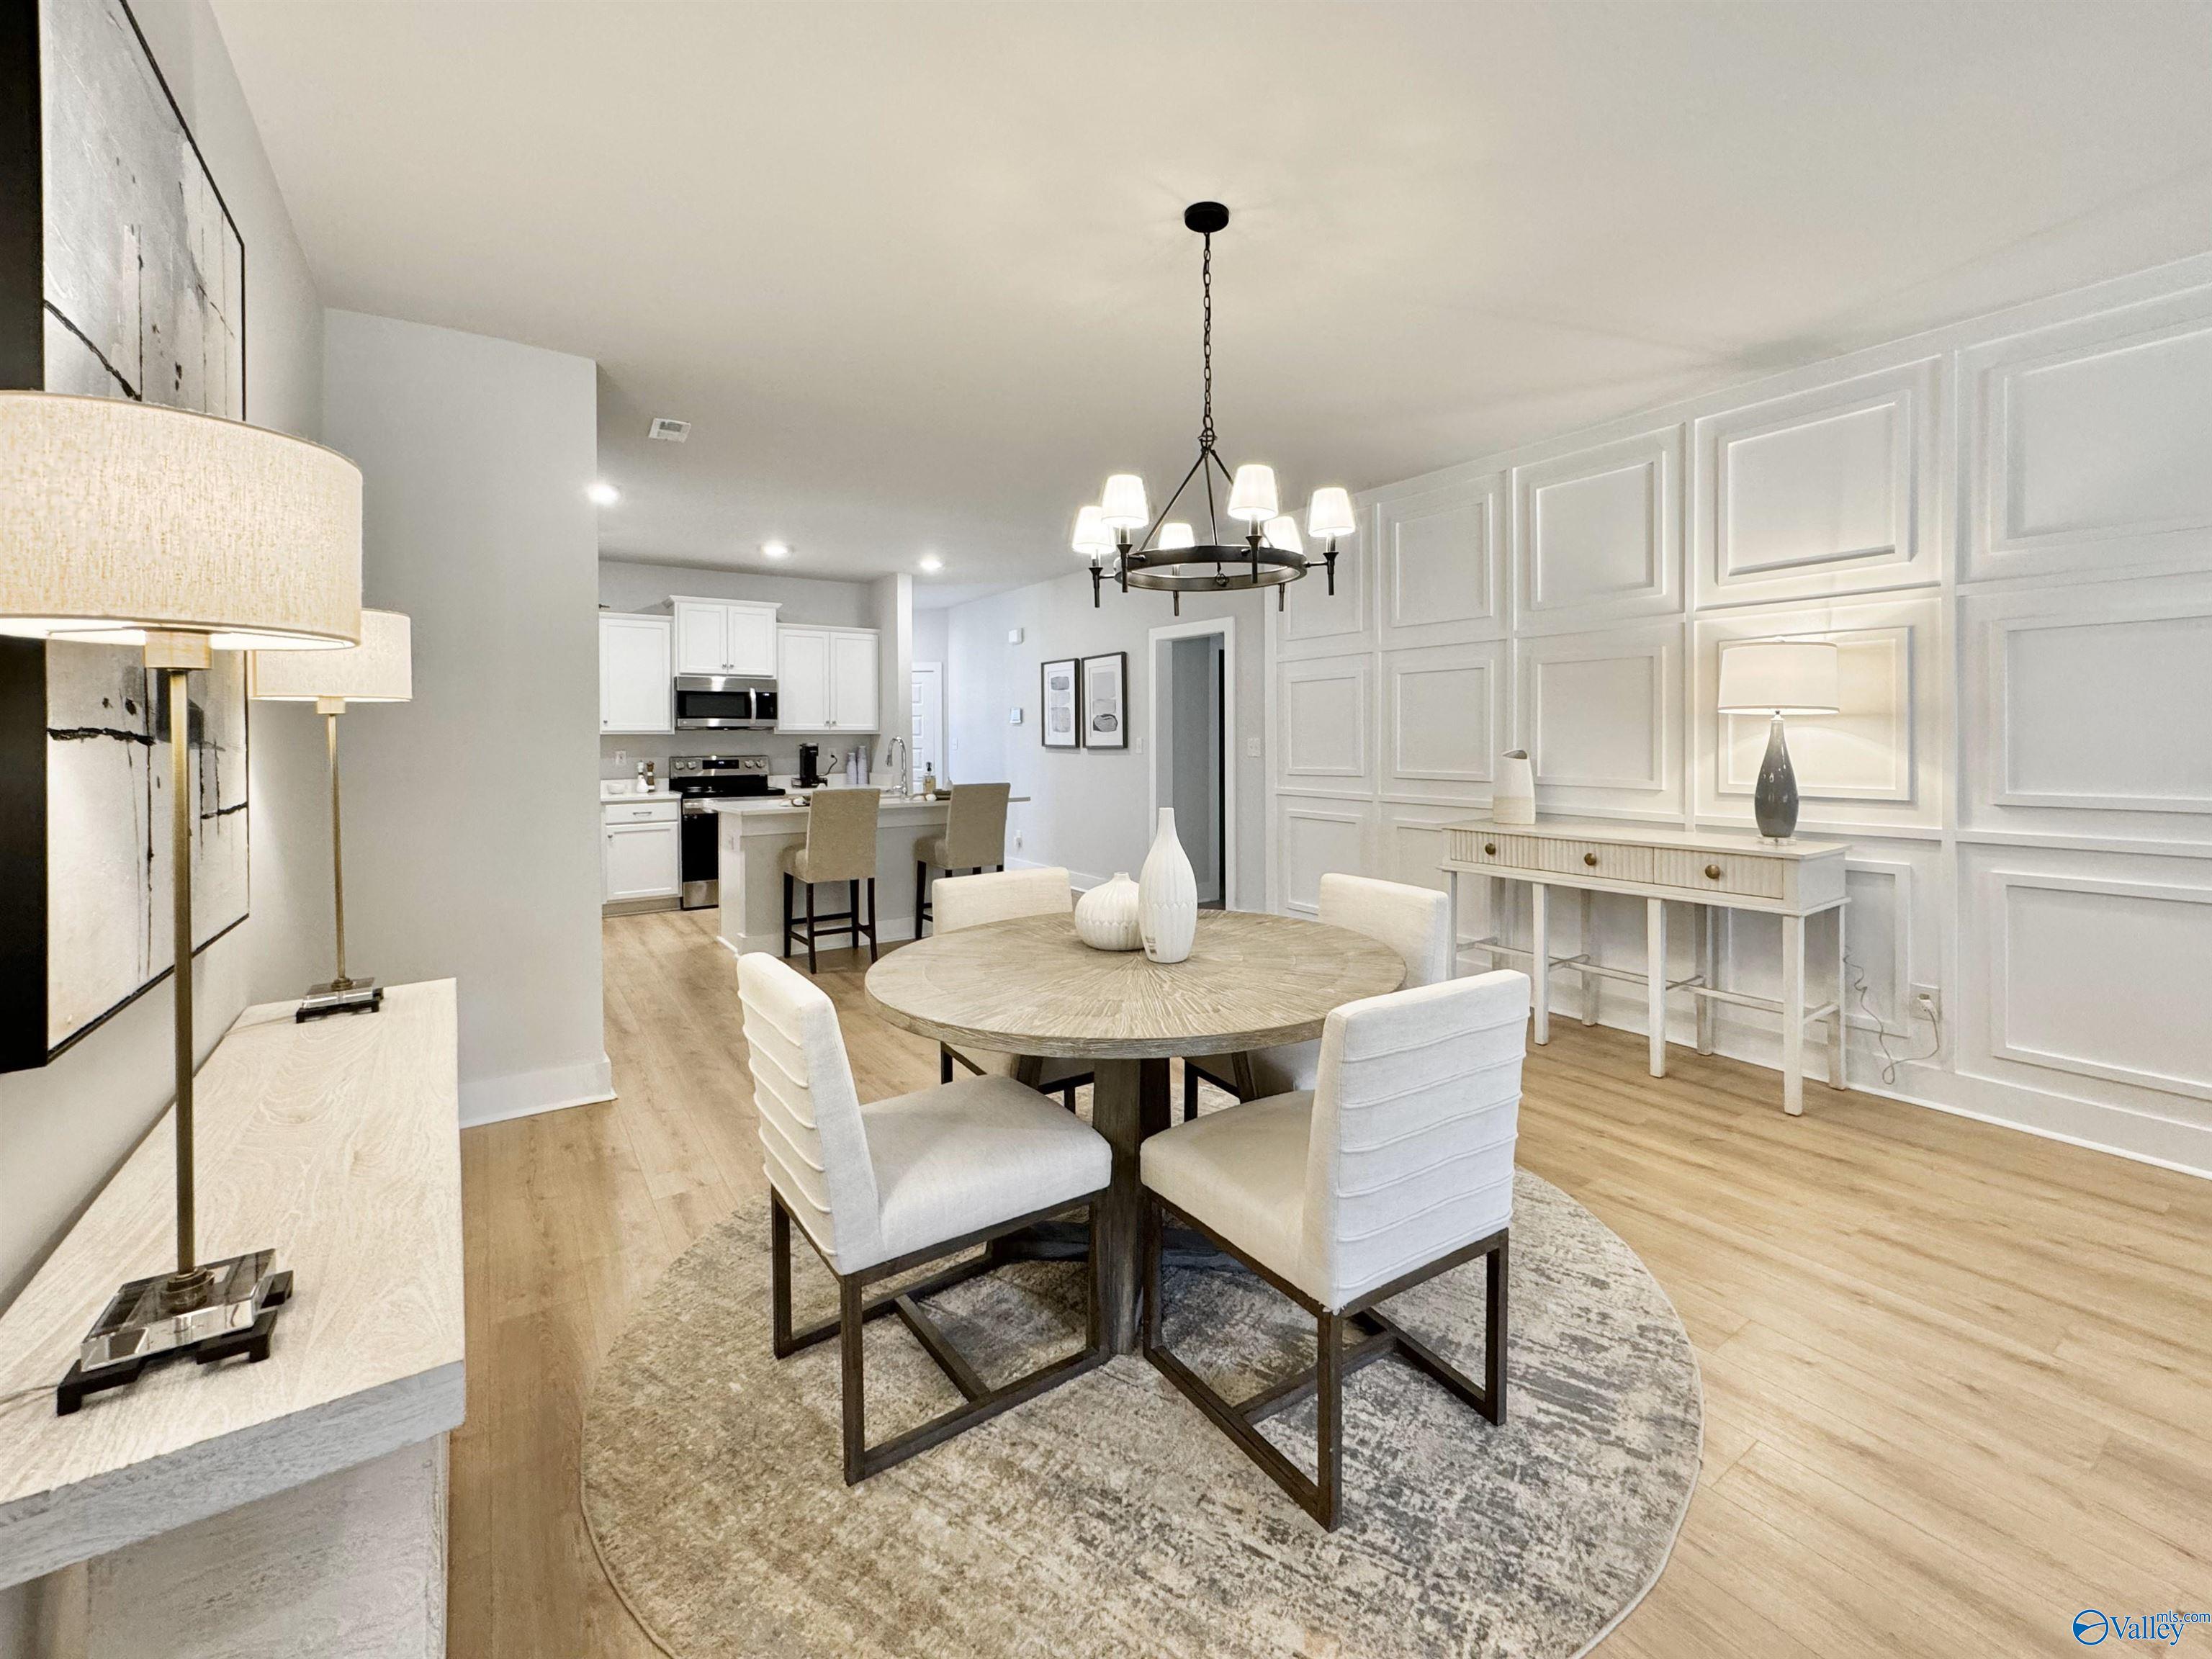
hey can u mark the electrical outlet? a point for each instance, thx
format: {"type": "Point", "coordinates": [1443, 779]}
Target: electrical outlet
{"type": "Point", "coordinates": [1927, 1002]}
{"type": "Point", "coordinates": [1017, 840]}
{"type": "Point", "coordinates": [1251, 749]}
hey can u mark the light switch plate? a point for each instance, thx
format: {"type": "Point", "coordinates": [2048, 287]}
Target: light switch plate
{"type": "Point", "coordinates": [1013, 717]}
{"type": "Point", "coordinates": [1015, 636]}
{"type": "Point", "coordinates": [1251, 749]}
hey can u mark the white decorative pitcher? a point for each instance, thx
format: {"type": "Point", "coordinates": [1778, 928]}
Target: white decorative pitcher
{"type": "Point", "coordinates": [1514, 799]}
{"type": "Point", "coordinates": [1106, 916]}
{"type": "Point", "coordinates": [1167, 896]}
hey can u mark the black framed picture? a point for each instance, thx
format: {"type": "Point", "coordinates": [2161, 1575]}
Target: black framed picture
{"type": "Point", "coordinates": [1057, 723]}
{"type": "Point", "coordinates": [1105, 700]}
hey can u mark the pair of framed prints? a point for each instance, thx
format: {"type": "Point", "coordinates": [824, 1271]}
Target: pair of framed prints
{"type": "Point", "coordinates": [1086, 701]}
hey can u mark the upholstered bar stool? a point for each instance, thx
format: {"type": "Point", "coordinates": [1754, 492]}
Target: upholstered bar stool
{"type": "Point", "coordinates": [974, 837]}
{"type": "Point", "coordinates": [885, 1188]}
{"type": "Point", "coordinates": [1414, 922]}
{"type": "Point", "coordinates": [971, 901]}
{"type": "Point", "coordinates": [840, 846]}
{"type": "Point", "coordinates": [1395, 1167]}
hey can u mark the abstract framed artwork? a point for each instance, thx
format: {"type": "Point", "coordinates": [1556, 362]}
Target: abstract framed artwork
{"type": "Point", "coordinates": [123, 275]}
{"type": "Point", "coordinates": [1105, 694]}
{"type": "Point", "coordinates": [1058, 724]}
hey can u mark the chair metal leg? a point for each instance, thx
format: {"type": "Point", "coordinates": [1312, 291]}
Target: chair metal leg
{"type": "Point", "coordinates": [787, 915]}
{"type": "Point", "coordinates": [1329, 1464]}
{"type": "Point", "coordinates": [1189, 1091]}
{"type": "Point", "coordinates": [810, 928]}
{"type": "Point", "coordinates": [852, 1377]}
{"type": "Point", "coordinates": [871, 918]}
{"type": "Point", "coordinates": [1496, 1282]}
{"type": "Point", "coordinates": [944, 1064]}
{"type": "Point", "coordinates": [852, 910]}
{"type": "Point", "coordinates": [920, 895]}
{"type": "Point", "coordinates": [779, 1256]}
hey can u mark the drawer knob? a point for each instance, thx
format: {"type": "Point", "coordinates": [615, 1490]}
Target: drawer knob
{"type": "Point", "coordinates": [1490, 848]}
{"type": "Point", "coordinates": [1712, 873]}
{"type": "Point", "coordinates": [1591, 859]}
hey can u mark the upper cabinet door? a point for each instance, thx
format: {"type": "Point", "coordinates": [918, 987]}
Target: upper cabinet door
{"type": "Point", "coordinates": [750, 639]}
{"type": "Point", "coordinates": [853, 682]}
{"type": "Point", "coordinates": [634, 674]}
{"type": "Point", "coordinates": [702, 637]}
{"type": "Point", "coordinates": [802, 682]}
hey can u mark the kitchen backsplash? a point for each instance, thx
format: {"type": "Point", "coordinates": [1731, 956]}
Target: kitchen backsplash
{"type": "Point", "coordinates": [659, 747]}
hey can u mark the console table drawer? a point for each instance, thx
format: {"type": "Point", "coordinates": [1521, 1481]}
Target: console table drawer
{"type": "Point", "coordinates": [1497, 850]}
{"type": "Point", "coordinates": [1609, 861]}
{"type": "Point", "coordinates": [1720, 872]}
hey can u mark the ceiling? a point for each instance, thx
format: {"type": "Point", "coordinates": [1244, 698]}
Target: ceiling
{"type": "Point", "coordinates": [916, 273]}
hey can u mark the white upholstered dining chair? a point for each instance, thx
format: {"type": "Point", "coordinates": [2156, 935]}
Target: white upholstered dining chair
{"type": "Point", "coordinates": [971, 901]}
{"type": "Point", "coordinates": [1414, 922]}
{"type": "Point", "coordinates": [1397, 1166]}
{"type": "Point", "coordinates": [892, 1185]}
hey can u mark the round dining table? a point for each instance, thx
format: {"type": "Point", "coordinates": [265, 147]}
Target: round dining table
{"type": "Point", "coordinates": [1031, 987]}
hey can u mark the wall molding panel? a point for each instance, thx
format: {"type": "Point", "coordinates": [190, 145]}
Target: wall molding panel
{"type": "Point", "coordinates": [1314, 622]}
{"type": "Point", "coordinates": [1444, 720]}
{"type": "Point", "coordinates": [1327, 706]}
{"type": "Point", "coordinates": [1597, 533]}
{"type": "Point", "coordinates": [1314, 836]}
{"type": "Point", "coordinates": [1601, 715]}
{"type": "Point", "coordinates": [1443, 559]}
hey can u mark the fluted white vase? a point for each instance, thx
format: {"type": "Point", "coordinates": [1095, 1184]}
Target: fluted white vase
{"type": "Point", "coordinates": [1167, 896]}
{"type": "Point", "coordinates": [1513, 800]}
{"type": "Point", "coordinates": [1106, 916]}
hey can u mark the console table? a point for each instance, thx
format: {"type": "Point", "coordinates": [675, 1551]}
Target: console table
{"type": "Point", "coordinates": [294, 1506]}
{"type": "Point", "coordinates": [1715, 870]}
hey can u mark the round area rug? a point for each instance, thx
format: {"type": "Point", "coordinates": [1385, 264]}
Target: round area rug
{"type": "Point", "coordinates": [1107, 1519]}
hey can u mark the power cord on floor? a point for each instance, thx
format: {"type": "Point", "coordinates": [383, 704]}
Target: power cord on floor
{"type": "Point", "coordinates": [1892, 1064]}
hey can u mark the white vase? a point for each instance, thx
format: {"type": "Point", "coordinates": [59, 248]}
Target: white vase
{"type": "Point", "coordinates": [1167, 896]}
{"type": "Point", "coordinates": [1106, 916]}
{"type": "Point", "coordinates": [1514, 799]}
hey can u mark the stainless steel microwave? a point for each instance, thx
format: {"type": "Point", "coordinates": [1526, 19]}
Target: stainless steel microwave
{"type": "Point", "coordinates": [724, 702]}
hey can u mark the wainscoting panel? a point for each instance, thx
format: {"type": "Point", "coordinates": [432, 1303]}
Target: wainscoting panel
{"type": "Point", "coordinates": [1601, 714]}
{"type": "Point", "coordinates": [1315, 836]}
{"type": "Point", "coordinates": [1315, 623]}
{"type": "Point", "coordinates": [2086, 444]}
{"type": "Point", "coordinates": [1443, 559]}
{"type": "Point", "coordinates": [1444, 719]}
{"type": "Point", "coordinates": [1326, 706]}
{"type": "Point", "coordinates": [1598, 533]}
{"type": "Point", "coordinates": [1835, 490]}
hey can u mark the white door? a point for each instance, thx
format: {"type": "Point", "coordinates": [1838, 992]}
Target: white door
{"type": "Point", "coordinates": [702, 643]}
{"type": "Point", "coordinates": [641, 860]}
{"type": "Point", "coordinates": [802, 680]}
{"type": "Point", "coordinates": [750, 640]}
{"type": "Point", "coordinates": [853, 682]}
{"type": "Point", "coordinates": [633, 676]}
{"type": "Point", "coordinates": [928, 732]}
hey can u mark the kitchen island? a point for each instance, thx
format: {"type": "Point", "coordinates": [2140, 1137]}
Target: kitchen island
{"type": "Point", "coordinates": [753, 835]}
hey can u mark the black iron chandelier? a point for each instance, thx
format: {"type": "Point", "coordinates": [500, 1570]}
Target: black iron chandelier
{"type": "Point", "coordinates": [1169, 557]}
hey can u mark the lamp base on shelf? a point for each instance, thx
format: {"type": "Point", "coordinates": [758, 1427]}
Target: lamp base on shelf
{"type": "Point", "coordinates": [341, 996]}
{"type": "Point", "coordinates": [222, 1309]}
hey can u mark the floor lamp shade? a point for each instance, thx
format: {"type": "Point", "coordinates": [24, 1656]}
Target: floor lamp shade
{"type": "Point", "coordinates": [380, 669]}
{"type": "Point", "coordinates": [121, 517]}
{"type": "Point", "coordinates": [1777, 678]}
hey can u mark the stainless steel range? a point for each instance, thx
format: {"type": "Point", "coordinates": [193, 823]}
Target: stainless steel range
{"type": "Point", "coordinates": [701, 779]}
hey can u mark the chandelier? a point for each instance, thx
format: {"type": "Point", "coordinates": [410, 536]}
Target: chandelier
{"type": "Point", "coordinates": [1168, 557]}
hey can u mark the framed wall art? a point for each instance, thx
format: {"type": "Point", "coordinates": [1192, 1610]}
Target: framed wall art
{"type": "Point", "coordinates": [1059, 725]}
{"type": "Point", "coordinates": [1105, 700]}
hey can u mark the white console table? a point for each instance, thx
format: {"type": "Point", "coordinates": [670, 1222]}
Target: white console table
{"type": "Point", "coordinates": [295, 1506]}
{"type": "Point", "coordinates": [1715, 870]}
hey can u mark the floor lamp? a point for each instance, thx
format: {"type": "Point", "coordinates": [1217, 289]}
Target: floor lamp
{"type": "Point", "coordinates": [123, 523]}
{"type": "Point", "coordinates": [380, 669]}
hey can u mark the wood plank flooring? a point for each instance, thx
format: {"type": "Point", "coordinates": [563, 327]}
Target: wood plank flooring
{"type": "Point", "coordinates": [1959, 1380]}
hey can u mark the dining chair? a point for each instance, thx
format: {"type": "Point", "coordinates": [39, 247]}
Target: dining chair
{"type": "Point", "coordinates": [1397, 1166]}
{"type": "Point", "coordinates": [974, 835]}
{"type": "Point", "coordinates": [882, 1188]}
{"type": "Point", "coordinates": [971, 901]}
{"type": "Point", "coordinates": [1414, 922]}
{"type": "Point", "coordinates": [840, 846]}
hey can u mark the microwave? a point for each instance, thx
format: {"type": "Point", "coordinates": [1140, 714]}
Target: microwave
{"type": "Point", "coordinates": [724, 702]}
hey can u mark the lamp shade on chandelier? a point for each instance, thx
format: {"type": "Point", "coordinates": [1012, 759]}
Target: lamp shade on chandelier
{"type": "Point", "coordinates": [1125, 540]}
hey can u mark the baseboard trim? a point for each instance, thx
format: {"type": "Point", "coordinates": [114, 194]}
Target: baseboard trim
{"type": "Point", "coordinates": [525, 1094]}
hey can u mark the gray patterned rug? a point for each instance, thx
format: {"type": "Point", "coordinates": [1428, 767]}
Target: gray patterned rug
{"type": "Point", "coordinates": [1107, 1519]}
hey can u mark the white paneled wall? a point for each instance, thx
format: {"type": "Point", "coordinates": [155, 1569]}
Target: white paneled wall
{"type": "Point", "coordinates": [2007, 528]}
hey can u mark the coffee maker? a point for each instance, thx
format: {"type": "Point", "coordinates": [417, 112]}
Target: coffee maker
{"type": "Point", "coordinates": [809, 766]}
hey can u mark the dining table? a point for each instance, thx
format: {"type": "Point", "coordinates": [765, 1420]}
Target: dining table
{"type": "Point", "coordinates": [1031, 987]}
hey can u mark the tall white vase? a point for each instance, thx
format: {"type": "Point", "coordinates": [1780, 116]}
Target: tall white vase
{"type": "Point", "coordinates": [1513, 799]}
{"type": "Point", "coordinates": [1167, 896]}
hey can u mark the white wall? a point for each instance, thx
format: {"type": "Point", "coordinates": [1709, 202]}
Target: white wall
{"type": "Point", "coordinates": [2008, 525]}
{"type": "Point", "coordinates": [472, 813]}
{"type": "Point", "coordinates": [1091, 807]}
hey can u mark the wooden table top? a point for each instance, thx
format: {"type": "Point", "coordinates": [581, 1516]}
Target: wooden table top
{"type": "Point", "coordinates": [1032, 986]}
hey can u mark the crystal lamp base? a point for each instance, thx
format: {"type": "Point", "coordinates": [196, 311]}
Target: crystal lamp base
{"type": "Point", "coordinates": [341, 996]}
{"type": "Point", "coordinates": [226, 1308]}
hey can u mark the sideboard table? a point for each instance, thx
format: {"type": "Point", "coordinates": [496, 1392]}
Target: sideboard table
{"type": "Point", "coordinates": [1715, 870]}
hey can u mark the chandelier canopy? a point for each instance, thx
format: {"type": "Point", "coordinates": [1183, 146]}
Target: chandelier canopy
{"type": "Point", "coordinates": [1169, 557]}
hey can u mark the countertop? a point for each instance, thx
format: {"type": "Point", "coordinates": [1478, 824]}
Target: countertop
{"type": "Point", "coordinates": [609, 797]}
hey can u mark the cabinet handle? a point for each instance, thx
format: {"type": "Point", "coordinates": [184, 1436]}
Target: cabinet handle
{"type": "Point", "coordinates": [1489, 849]}
{"type": "Point", "coordinates": [1591, 859]}
{"type": "Point", "coordinates": [1712, 873]}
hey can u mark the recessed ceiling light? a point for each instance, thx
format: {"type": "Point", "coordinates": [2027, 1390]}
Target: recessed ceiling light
{"type": "Point", "coordinates": [603, 493]}
{"type": "Point", "coordinates": [931, 563]}
{"type": "Point", "coordinates": [775, 551]}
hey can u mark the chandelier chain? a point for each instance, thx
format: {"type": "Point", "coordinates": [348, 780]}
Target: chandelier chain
{"type": "Point", "coordinates": [1206, 285]}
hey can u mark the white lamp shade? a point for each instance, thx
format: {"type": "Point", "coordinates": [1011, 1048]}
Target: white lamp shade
{"type": "Point", "coordinates": [1175, 537]}
{"type": "Point", "coordinates": [1281, 534]}
{"type": "Point", "coordinates": [1252, 494]}
{"type": "Point", "coordinates": [1092, 539]}
{"type": "Point", "coordinates": [1779, 676]}
{"type": "Point", "coordinates": [380, 669]}
{"type": "Point", "coordinates": [1124, 503]}
{"type": "Point", "coordinates": [119, 517]}
{"type": "Point", "coordinates": [1330, 516]}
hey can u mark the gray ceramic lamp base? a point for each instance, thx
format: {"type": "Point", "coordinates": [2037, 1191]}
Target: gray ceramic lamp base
{"type": "Point", "coordinates": [1774, 801]}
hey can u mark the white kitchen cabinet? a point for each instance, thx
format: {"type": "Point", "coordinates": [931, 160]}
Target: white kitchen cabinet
{"type": "Point", "coordinates": [725, 636]}
{"type": "Point", "coordinates": [640, 851]}
{"type": "Point", "coordinates": [826, 679]}
{"type": "Point", "coordinates": [634, 693]}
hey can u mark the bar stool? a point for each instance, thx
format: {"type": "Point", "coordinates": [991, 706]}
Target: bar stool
{"type": "Point", "coordinates": [974, 835]}
{"type": "Point", "coordinates": [840, 846]}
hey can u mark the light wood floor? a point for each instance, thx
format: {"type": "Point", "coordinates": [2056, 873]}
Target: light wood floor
{"type": "Point", "coordinates": [1958, 1380]}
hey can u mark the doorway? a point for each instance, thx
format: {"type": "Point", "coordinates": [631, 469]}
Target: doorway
{"type": "Point", "coordinates": [1193, 718]}
{"type": "Point", "coordinates": [926, 738]}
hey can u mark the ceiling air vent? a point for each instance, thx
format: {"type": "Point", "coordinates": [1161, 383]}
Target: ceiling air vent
{"type": "Point", "coordinates": [674, 432]}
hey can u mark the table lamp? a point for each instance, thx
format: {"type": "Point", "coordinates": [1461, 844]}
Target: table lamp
{"type": "Point", "coordinates": [123, 523]}
{"type": "Point", "coordinates": [1777, 678]}
{"type": "Point", "coordinates": [380, 669]}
